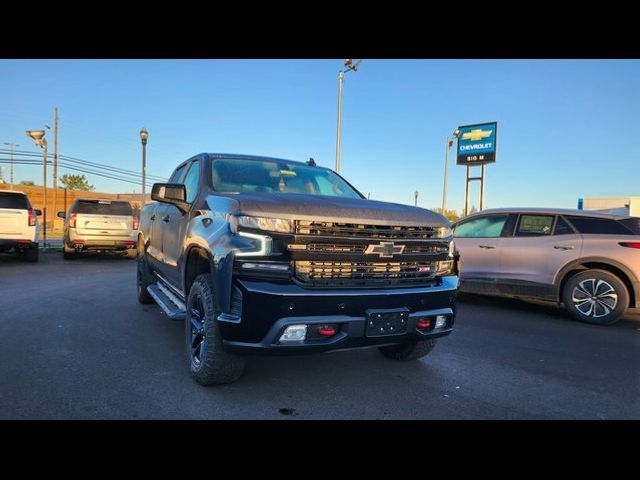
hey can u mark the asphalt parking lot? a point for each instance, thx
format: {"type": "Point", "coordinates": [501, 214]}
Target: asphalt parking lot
{"type": "Point", "coordinates": [75, 344]}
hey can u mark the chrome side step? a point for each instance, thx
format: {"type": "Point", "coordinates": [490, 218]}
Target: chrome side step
{"type": "Point", "coordinates": [172, 306]}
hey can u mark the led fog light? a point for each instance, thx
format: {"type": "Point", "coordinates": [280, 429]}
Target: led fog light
{"type": "Point", "coordinates": [294, 333]}
{"type": "Point", "coordinates": [441, 321]}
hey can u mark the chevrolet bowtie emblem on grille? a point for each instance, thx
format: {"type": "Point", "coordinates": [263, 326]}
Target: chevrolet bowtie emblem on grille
{"type": "Point", "coordinates": [478, 134]}
{"type": "Point", "coordinates": [385, 249]}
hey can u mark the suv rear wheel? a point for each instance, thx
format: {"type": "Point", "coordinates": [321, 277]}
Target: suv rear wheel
{"type": "Point", "coordinates": [595, 296]}
{"type": "Point", "coordinates": [68, 253]}
{"type": "Point", "coordinates": [208, 362]}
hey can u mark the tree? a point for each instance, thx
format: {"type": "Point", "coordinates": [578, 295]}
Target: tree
{"type": "Point", "coordinates": [451, 215]}
{"type": "Point", "coordinates": [76, 182]}
{"type": "Point", "coordinates": [28, 183]}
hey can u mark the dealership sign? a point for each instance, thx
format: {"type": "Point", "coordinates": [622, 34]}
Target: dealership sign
{"type": "Point", "coordinates": [477, 144]}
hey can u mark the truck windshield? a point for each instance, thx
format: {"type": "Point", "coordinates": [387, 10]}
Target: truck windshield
{"type": "Point", "coordinates": [274, 176]}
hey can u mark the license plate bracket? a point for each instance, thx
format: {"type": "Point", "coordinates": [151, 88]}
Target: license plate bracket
{"type": "Point", "coordinates": [384, 323]}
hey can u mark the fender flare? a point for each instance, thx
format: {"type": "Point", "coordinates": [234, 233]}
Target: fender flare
{"type": "Point", "coordinates": [635, 284]}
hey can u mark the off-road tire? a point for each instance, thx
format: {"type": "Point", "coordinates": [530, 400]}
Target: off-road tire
{"type": "Point", "coordinates": [143, 281]}
{"type": "Point", "coordinates": [215, 366]}
{"type": "Point", "coordinates": [593, 274]}
{"type": "Point", "coordinates": [409, 351]}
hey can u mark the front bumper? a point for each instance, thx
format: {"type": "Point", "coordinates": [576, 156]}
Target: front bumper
{"type": "Point", "coordinates": [267, 308]}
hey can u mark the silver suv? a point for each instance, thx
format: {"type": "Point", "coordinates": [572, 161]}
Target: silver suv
{"type": "Point", "coordinates": [588, 261]}
{"type": "Point", "coordinates": [99, 225]}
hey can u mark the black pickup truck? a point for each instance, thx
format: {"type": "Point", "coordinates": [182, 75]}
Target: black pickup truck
{"type": "Point", "coordinates": [264, 255]}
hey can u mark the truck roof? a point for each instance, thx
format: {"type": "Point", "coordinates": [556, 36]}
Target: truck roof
{"type": "Point", "coordinates": [238, 156]}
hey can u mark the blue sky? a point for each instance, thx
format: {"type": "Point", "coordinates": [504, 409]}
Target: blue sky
{"type": "Point", "coordinates": [566, 128]}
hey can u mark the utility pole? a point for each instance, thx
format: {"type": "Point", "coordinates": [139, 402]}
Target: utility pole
{"type": "Point", "coordinates": [55, 161]}
{"type": "Point", "coordinates": [11, 160]}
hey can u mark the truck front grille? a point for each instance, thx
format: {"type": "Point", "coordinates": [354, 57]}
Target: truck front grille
{"type": "Point", "coordinates": [323, 273]}
{"type": "Point", "coordinates": [334, 229]}
{"type": "Point", "coordinates": [415, 249]}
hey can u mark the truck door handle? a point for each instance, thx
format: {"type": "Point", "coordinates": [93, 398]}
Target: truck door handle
{"type": "Point", "coordinates": [166, 219]}
{"type": "Point", "coordinates": [153, 217]}
{"type": "Point", "coordinates": [564, 247]}
{"type": "Point", "coordinates": [488, 247]}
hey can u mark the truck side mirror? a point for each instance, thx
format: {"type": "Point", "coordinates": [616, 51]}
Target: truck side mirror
{"type": "Point", "coordinates": [62, 214]}
{"type": "Point", "coordinates": [172, 193]}
{"type": "Point", "coordinates": [38, 212]}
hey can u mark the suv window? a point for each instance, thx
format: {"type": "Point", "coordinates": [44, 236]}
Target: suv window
{"type": "Point", "coordinates": [101, 207]}
{"type": "Point", "coordinates": [534, 225]}
{"type": "Point", "coordinates": [599, 225]}
{"type": "Point", "coordinates": [14, 200]}
{"type": "Point", "coordinates": [562, 227]}
{"type": "Point", "coordinates": [191, 181]}
{"type": "Point", "coordinates": [488, 227]}
{"type": "Point", "coordinates": [632, 223]}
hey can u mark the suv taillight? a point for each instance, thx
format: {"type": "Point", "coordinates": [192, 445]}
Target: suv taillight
{"type": "Point", "coordinates": [72, 220]}
{"type": "Point", "coordinates": [32, 218]}
{"type": "Point", "coordinates": [136, 222]}
{"type": "Point", "coordinates": [630, 244]}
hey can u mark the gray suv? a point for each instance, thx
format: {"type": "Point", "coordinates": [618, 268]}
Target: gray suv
{"type": "Point", "coordinates": [99, 225]}
{"type": "Point", "coordinates": [587, 260]}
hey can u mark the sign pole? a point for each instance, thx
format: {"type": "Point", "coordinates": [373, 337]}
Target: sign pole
{"type": "Point", "coordinates": [482, 188]}
{"type": "Point", "coordinates": [466, 194]}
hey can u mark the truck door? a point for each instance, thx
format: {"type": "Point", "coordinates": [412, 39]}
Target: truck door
{"type": "Point", "coordinates": [175, 224]}
{"type": "Point", "coordinates": [157, 226]}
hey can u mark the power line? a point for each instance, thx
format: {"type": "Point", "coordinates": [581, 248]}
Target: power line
{"type": "Point", "coordinates": [75, 168]}
{"type": "Point", "coordinates": [122, 171]}
{"type": "Point", "coordinates": [116, 171]}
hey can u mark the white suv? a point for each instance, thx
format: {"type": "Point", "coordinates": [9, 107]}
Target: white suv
{"type": "Point", "coordinates": [19, 228]}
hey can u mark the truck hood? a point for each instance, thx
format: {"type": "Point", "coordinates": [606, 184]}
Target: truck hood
{"type": "Point", "coordinates": [294, 206]}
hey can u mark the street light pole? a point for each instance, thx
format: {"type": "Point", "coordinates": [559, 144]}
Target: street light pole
{"type": "Point", "coordinates": [338, 140]}
{"type": "Point", "coordinates": [446, 168]}
{"type": "Point", "coordinates": [11, 163]}
{"type": "Point", "coordinates": [44, 174]}
{"type": "Point", "coordinates": [38, 138]}
{"type": "Point", "coordinates": [416, 195]}
{"type": "Point", "coordinates": [350, 67]}
{"type": "Point", "coordinates": [144, 135]}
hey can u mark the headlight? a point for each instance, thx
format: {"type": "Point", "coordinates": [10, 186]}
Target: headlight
{"type": "Point", "coordinates": [445, 267]}
{"type": "Point", "coordinates": [267, 224]}
{"type": "Point", "coordinates": [443, 232]}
